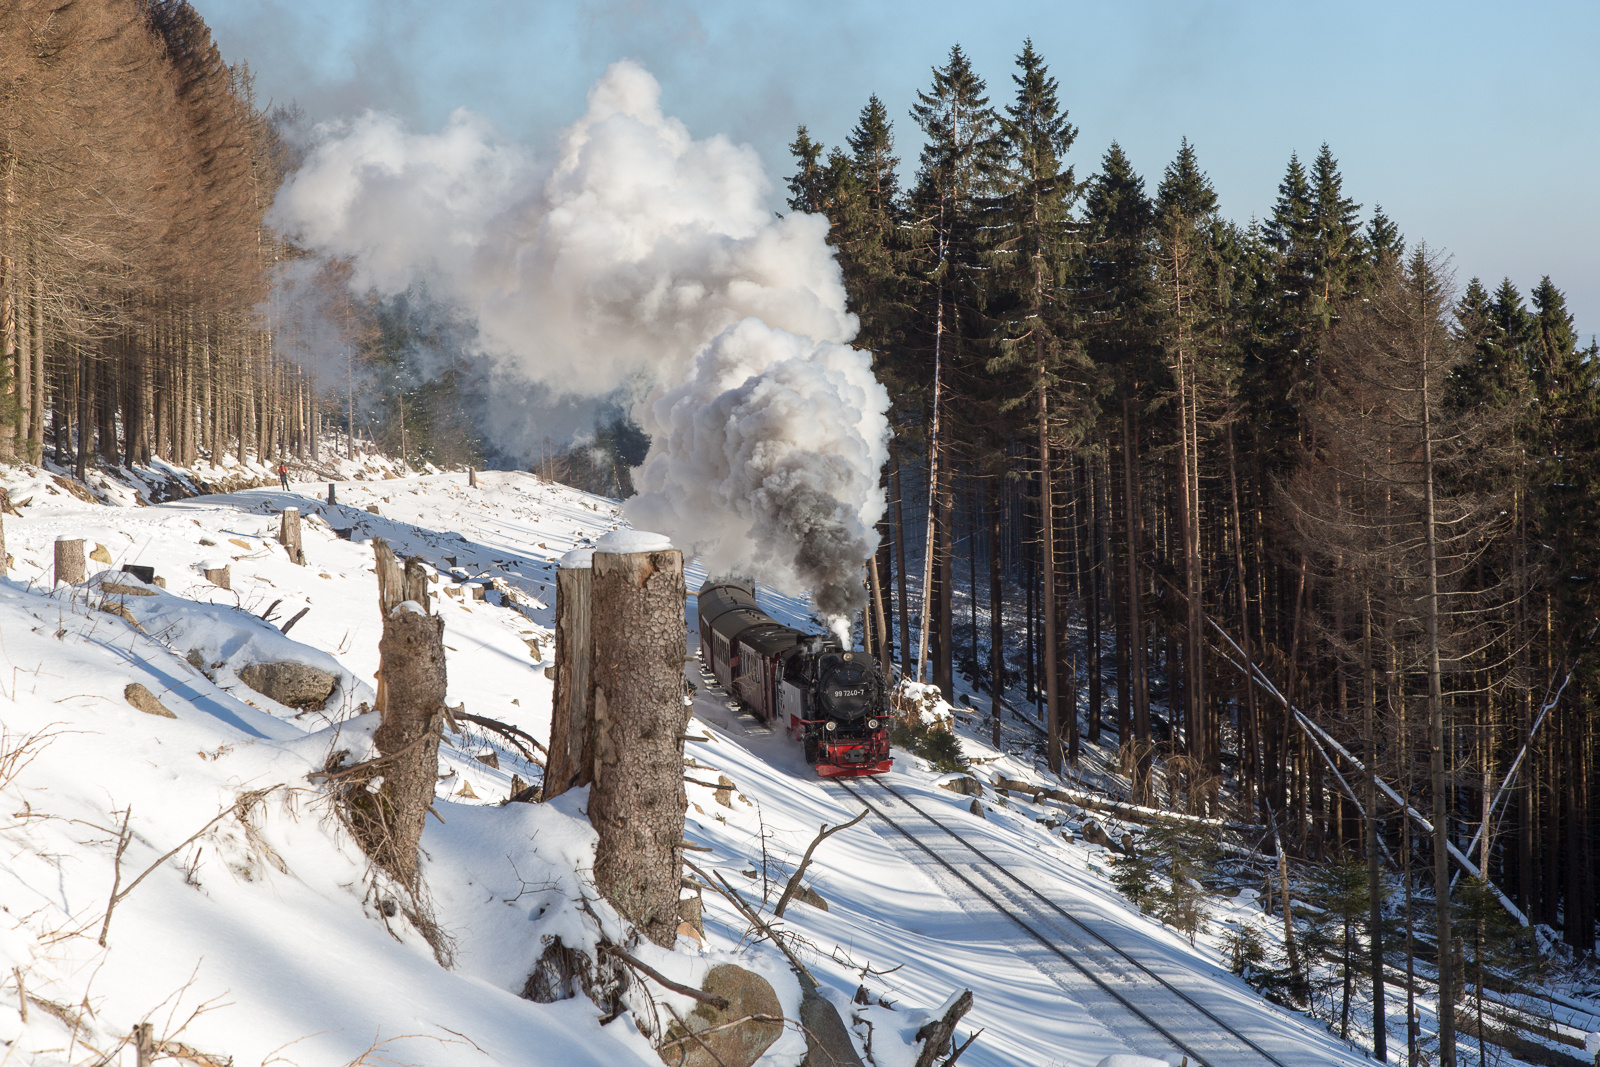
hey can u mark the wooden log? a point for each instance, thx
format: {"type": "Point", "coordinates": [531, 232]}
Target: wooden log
{"type": "Point", "coordinates": [69, 560]}
{"type": "Point", "coordinates": [416, 582]}
{"type": "Point", "coordinates": [637, 803]}
{"type": "Point", "coordinates": [570, 718]}
{"type": "Point", "coordinates": [411, 657]}
{"type": "Point", "coordinates": [219, 576]}
{"type": "Point", "coordinates": [289, 535]}
{"type": "Point", "coordinates": [936, 1036]}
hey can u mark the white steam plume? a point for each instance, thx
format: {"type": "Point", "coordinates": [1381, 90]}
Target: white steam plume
{"type": "Point", "coordinates": [642, 258]}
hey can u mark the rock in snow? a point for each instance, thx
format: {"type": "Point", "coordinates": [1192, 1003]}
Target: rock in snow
{"type": "Point", "coordinates": [293, 685]}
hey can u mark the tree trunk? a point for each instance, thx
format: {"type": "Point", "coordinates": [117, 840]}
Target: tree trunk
{"type": "Point", "coordinates": [1047, 528]}
{"type": "Point", "coordinates": [637, 804]}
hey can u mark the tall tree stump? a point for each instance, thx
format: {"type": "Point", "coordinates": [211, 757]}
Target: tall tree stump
{"type": "Point", "coordinates": [289, 535]}
{"type": "Point", "coordinates": [69, 560]}
{"type": "Point", "coordinates": [637, 804]}
{"type": "Point", "coordinates": [411, 657]}
{"type": "Point", "coordinates": [472, 477]}
{"type": "Point", "coordinates": [5, 506]}
{"type": "Point", "coordinates": [570, 718]}
{"type": "Point", "coordinates": [333, 497]}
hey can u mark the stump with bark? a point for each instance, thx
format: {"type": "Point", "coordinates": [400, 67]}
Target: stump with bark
{"type": "Point", "coordinates": [69, 560]}
{"type": "Point", "coordinates": [289, 535]}
{"type": "Point", "coordinates": [570, 765]}
{"type": "Point", "coordinates": [388, 820]}
{"type": "Point", "coordinates": [638, 802]}
{"type": "Point", "coordinates": [218, 575]}
{"type": "Point", "coordinates": [5, 506]}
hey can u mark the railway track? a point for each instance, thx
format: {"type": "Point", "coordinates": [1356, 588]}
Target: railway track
{"type": "Point", "coordinates": [1124, 988]}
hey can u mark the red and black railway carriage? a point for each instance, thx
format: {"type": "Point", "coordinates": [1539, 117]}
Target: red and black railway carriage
{"type": "Point", "coordinates": [830, 699]}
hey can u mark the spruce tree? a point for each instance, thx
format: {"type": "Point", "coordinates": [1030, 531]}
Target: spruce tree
{"type": "Point", "coordinates": [954, 171]}
{"type": "Point", "coordinates": [1030, 242]}
{"type": "Point", "coordinates": [1117, 297]}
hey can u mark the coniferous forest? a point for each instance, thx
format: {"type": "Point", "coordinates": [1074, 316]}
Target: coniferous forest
{"type": "Point", "coordinates": [1297, 521]}
{"type": "Point", "coordinates": [1169, 454]}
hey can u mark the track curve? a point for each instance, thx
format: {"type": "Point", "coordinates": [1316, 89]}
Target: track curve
{"type": "Point", "coordinates": [1129, 994]}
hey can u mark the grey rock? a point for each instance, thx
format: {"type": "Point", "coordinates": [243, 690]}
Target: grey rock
{"type": "Point", "coordinates": [145, 701]}
{"type": "Point", "coordinates": [294, 685]}
{"type": "Point", "coordinates": [966, 786]}
{"type": "Point", "coordinates": [828, 1041]}
{"type": "Point", "coordinates": [747, 993]}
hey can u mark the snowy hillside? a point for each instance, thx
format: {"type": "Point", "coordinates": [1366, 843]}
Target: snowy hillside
{"type": "Point", "coordinates": [247, 926]}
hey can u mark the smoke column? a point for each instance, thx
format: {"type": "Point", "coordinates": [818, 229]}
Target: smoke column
{"type": "Point", "coordinates": [640, 258]}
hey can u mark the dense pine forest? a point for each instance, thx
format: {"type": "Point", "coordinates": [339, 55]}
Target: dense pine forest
{"type": "Point", "coordinates": [1304, 528]}
{"type": "Point", "coordinates": [1169, 453]}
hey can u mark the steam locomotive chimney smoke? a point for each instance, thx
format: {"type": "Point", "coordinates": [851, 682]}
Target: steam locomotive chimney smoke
{"type": "Point", "coordinates": [647, 260]}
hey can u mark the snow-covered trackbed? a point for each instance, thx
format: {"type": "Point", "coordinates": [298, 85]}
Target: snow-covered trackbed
{"type": "Point", "coordinates": [1141, 996]}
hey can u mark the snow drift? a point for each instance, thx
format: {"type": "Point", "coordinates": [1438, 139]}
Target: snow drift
{"type": "Point", "coordinates": [644, 260]}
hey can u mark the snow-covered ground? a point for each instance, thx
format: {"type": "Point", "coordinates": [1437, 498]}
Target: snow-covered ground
{"type": "Point", "coordinates": [247, 924]}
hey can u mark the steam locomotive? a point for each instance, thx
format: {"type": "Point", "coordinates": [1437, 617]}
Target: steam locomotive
{"type": "Point", "coordinates": [830, 699]}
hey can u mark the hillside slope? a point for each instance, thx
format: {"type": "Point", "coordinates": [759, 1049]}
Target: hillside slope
{"type": "Point", "coordinates": [248, 925]}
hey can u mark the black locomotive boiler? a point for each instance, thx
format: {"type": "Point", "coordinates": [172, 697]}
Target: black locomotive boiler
{"type": "Point", "coordinates": [830, 699]}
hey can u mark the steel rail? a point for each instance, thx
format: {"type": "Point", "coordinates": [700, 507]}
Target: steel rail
{"type": "Point", "coordinates": [1050, 945]}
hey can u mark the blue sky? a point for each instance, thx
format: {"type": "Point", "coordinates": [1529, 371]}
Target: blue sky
{"type": "Point", "coordinates": [1475, 125]}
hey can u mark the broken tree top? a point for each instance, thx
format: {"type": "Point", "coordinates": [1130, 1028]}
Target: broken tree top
{"type": "Point", "coordinates": [625, 541]}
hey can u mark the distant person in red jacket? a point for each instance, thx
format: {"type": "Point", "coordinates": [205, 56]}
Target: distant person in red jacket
{"type": "Point", "coordinates": [283, 474]}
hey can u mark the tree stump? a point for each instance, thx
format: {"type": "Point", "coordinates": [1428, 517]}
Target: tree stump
{"type": "Point", "coordinates": [332, 497]}
{"type": "Point", "coordinates": [570, 718]}
{"type": "Point", "coordinates": [472, 477]}
{"type": "Point", "coordinates": [5, 505]}
{"type": "Point", "coordinates": [411, 657]}
{"type": "Point", "coordinates": [218, 573]}
{"type": "Point", "coordinates": [289, 535]}
{"type": "Point", "coordinates": [637, 804]}
{"type": "Point", "coordinates": [937, 1036]}
{"type": "Point", "coordinates": [69, 560]}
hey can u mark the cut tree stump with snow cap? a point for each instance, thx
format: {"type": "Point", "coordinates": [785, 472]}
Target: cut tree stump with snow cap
{"type": "Point", "coordinates": [218, 573]}
{"type": "Point", "coordinates": [637, 803]}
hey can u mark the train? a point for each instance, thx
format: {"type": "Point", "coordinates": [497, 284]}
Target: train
{"type": "Point", "coordinates": [829, 698]}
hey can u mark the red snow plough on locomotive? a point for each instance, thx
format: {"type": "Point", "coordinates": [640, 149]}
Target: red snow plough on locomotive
{"type": "Point", "coordinates": [831, 700]}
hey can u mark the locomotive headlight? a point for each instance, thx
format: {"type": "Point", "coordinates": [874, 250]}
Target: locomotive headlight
{"type": "Point", "coordinates": [831, 726]}
{"type": "Point", "coordinates": [872, 724]}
